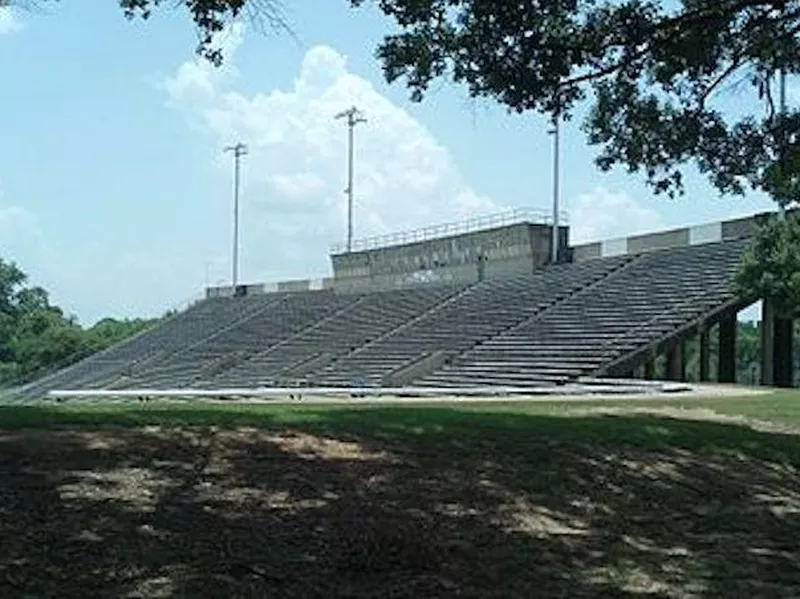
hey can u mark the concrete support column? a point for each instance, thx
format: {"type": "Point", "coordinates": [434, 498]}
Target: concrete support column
{"type": "Point", "coordinates": [649, 369]}
{"type": "Point", "coordinates": [767, 343]}
{"type": "Point", "coordinates": [676, 363]}
{"type": "Point", "coordinates": [784, 346]}
{"type": "Point", "coordinates": [704, 356]}
{"type": "Point", "coordinates": [776, 348]}
{"type": "Point", "coordinates": [726, 369]}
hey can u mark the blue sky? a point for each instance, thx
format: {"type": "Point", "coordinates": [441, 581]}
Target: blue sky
{"type": "Point", "coordinates": [116, 196]}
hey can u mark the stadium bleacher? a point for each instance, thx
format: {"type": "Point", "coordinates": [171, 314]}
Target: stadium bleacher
{"type": "Point", "coordinates": [656, 294]}
{"type": "Point", "coordinates": [368, 318]}
{"type": "Point", "coordinates": [548, 327]}
{"type": "Point", "coordinates": [196, 323]}
{"type": "Point", "coordinates": [258, 330]}
{"type": "Point", "coordinates": [485, 310]}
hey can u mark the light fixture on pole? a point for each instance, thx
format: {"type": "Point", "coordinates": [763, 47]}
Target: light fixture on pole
{"type": "Point", "coordinates": [238, 150]}
{"type": "Point", "coordinates": [354, 117]}
{"type": "Point", "coordinates": [556, 133]}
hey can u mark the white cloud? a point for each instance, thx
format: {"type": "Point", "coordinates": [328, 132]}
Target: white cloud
{"type": "Point", "coordinates": [23, 241]}
{"type": "Point", "coordinates": [21, 238]}
{"type": "Point", "coordinates": [8, 21]}
{"type": "Point", "coordinates": [196, 81]}
{"type": "Point", "coordinates": [298, 186]}
{"type": "Point", "coordinates": [602, 214]}
{"type": "Point", "coordinates": [295, 172]}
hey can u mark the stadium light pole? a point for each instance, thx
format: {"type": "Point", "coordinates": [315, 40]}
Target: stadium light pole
{"type": "Point", "coordinates": [556, 133]}
{"type": "Point", "coordinates": [782, 109]}
{"type": "Point", "coordinates": [239, 150]}
{"type": "Point", "coordinates": [354, 117]}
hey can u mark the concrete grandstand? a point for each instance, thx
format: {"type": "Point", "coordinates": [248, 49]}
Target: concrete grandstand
{"type": "Point", "coordinates": [476, 305]}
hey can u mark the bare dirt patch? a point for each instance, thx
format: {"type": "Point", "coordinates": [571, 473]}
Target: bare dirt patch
{"type": "Point", "coordinates": [452, 510]}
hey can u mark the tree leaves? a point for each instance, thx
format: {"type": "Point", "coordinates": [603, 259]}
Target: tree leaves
{"type": "Point", "coordinates": [210, 17]}
{"type": "Point", "coordinates": [771, 266]}
{"type": "Point", "coordinates": [33, 333]}
{"type": "Point", "coordinates": [655, 74]}
{"type": "Point", "coordinates": [36, 336]}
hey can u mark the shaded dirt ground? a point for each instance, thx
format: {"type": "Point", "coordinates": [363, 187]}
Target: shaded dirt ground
{"type": "Point", "coordinates": [394, 503]}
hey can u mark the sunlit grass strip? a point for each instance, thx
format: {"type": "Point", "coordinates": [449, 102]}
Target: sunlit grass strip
{"type": "Point", "coordinates": [782, 407]}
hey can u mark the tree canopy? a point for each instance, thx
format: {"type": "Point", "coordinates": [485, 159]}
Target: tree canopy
{"type": "Point", "coordinates": [36, 336]}
{"type": "Point", "coordinates": [770, 267]}
{"type": "Point", "coordinates": [653, 70]}
{"type": "Point", "coordinates": [209, 16]}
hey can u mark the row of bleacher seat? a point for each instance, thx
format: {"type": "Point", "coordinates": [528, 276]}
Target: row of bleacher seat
{"type": "Point", "coordinates": [543, 328]}
{"type": "Point", "coordinates": [363, 321]}
{"type": "Point", "coordinates": [181, 330]}
{"type": "Point", "coordinates": [481, 312]}
{"type": "Point", "coordinates": [273, 322]}
{"type": "Point", "coordinates": [654, 296]}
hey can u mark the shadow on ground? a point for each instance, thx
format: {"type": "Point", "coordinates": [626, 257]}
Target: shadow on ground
{"type": "Point", "coordinates": [401, 503]}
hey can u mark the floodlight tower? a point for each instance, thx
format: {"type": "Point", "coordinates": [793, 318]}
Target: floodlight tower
{"type": "Point", "coordinates": [239, 150]}
{"type": "Point", "coordinates": [556, 133]}
{"type": "Point", "coordinates": [354, 117]}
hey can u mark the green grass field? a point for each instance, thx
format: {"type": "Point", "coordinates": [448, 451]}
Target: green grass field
{"type": "Point", "coordinates": [651, 498]}
{"type": "Point", "coordinates": [782, 407]}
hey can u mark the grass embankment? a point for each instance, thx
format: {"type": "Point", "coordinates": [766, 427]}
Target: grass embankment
{"type": "Point", "coordinates": [508, 499]}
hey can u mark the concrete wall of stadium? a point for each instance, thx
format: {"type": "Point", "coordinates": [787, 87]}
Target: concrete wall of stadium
{"type": "Point", "coordinates": [707, 233]}
{"type": "Point", "coordinates": [465, 258]}
{"type": "Point", "coordinates": [295, 285]}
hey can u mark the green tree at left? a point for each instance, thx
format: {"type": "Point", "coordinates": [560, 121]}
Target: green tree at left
{"type": "Point", "coordinates": [33, 333]}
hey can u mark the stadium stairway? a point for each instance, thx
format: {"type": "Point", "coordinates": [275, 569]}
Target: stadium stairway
{"type": "Point", "coordinates": [657, 295]}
